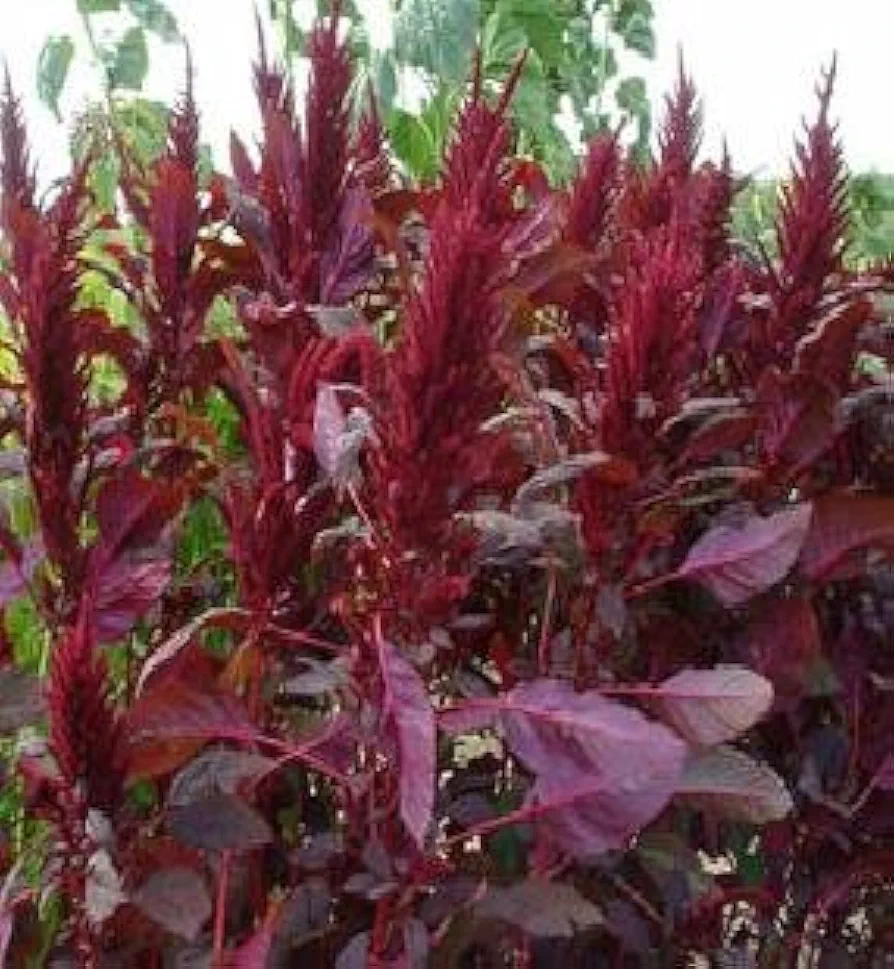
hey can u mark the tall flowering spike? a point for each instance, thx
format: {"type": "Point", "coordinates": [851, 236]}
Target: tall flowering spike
{"type": "Point", "coordinates": [591, 195]}
{"type": "Point", "coordinates": [16, 172]}
{"type": "Point", "coordinates": [84, 729]}
{"type": "Point", "coordinates": [715, 190]}
{"type": "Point", "coordinates": [651, 340]}
{"type": "Point", "coordinates": [371, 162]}
{"type": "Point", "coordinates": [39, 296]}
{"type": "Point", "coordinates": [183, 128]}
{"type": "Point", "coordinates": [681, 132]}
{"type": "Point", "coordinates": [328, 125]}
{"type": "Point", "coordinates": [812, 222]}
{"type": "Point", "coordinates": [480, 140]}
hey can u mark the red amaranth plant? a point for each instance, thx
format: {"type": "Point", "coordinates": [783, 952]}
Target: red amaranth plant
{"type": "Point", "coordinates": [563, 543]}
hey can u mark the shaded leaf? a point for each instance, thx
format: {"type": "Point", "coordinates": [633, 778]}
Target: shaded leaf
{"type": "Point", "coordinates": [177, 899]}
{"type": "Point", "coordinates": [737, 564]}
{"type": "Point", "coordinates": [21, 700]}
{"type": "Point", "coordinates": [216, 771]}
{"type": "Point", "coordinates": [603, 467]}
{"type": "Point", "coordinates": [713, 706]}
{"type": "Point", "coordinates": [843, 524]}
{"type": "Point", "coordinates": [219, 823]}
{"type": "Point", "coordinates": [729, 783]}
{"type": "Point", "coordinates": [541, 908]}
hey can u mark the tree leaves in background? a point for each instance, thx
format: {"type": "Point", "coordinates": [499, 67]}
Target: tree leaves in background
{"type": "Point", "coordinates": [438, 36]}
{"type": "Point", "coordinates": [52, 70]}
{"type": "Point", "coordinates": [99, 6]}
{"type": "Point", "coordinates": [155, 17]}
{"type": "Point", "coordinates": [131, 61]}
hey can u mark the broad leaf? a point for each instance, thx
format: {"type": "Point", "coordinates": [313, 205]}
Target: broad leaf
{"type": "Point", "coordinates": [730, 784]}
{"type": "Point", "coordinates": [737, 564]}
{"type": "Point", "coordinates": [602, 769]}
{"type": "Point", "coordinates": [407, 710]}
{"type": "Point", "coordinates": [177, 899]}
{"type": "Point", "coordinates": [181, 711]}
{"type": "Point", "coordinates": [713, 706]}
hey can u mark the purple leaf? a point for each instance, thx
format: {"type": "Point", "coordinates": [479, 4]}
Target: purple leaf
{"type": "Point", "coordinates": [710, 707]}
{"type": "Point", "coordinates": [348, 265]}
{"type": "Point", "coordinates": [737, 564]}
{"type": "Point", "coordinates": [177, 899]}
{"type": "Point", "coordinates": [407, 710]}
{"type": "Point", "coordinates": [602, 769]}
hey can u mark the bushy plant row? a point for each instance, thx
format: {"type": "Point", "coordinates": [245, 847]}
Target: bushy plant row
{"type": "Point", "coordinates": [474, 574]}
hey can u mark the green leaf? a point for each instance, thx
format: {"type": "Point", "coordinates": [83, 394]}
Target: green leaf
{"type": "Point", "coordinates": [639, 36]}
{"type": "Point", "coordinates": [52, 70]}
{"type": "Point", "coordinates": [542, 24]}
{"type": "Point", "coordinates": [437, 35]}
{"type": "Point", "coordinates": [131, 63]}
{"type": "Point", "coordinates": [155, 17]}
{"type": "Point", "coordinates": [98, 6]}
{"type": "Point", "coordinates": [632, 97]}
{"type": "Point", "coordinates": [414, 144]}
{"type": "Point", "coordinates": [104, 180]}
{"type": "Point", "coordinates": [633, 22]}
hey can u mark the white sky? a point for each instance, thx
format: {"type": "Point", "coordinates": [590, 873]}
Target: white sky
{"type": "Point", "coordinates": [755, 62]}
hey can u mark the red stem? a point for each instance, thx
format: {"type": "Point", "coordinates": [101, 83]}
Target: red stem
{"type": "Point", "coordinates": [220, 911]}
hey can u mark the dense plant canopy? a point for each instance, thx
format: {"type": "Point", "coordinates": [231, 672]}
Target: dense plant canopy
{"type": "Point", "coordinates": [480, 572]}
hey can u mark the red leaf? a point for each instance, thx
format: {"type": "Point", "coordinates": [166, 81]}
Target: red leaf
{"type": "Point", "coordinates": [737, 564]}
{"type": "Point", "coordinates": [799, 418]}
{"type": "Point", "coordinates": [407, 709]}
{"type": "Point", "coordinates": [126, 591]}
{"type": "Point", "coordinates": [842, 524]}
{"type": "Point", "coordinates": [180, 711]}
{"type": "Point", "coordinates": [783, 643]}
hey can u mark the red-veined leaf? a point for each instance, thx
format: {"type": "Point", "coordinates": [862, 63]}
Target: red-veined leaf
{"type": "Point", "coordinates": [713, 706]}
{"type": "Point", "coordinates": [728, 783]}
